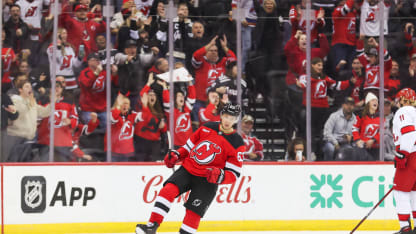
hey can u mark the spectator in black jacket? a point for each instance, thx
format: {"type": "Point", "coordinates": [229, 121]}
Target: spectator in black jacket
{"type": "Point", "coordinates": [132, 70]}
{"type": "Point", "coordinates": [198, 40]}
{"type": "Point", "coordinates": [17, 31]}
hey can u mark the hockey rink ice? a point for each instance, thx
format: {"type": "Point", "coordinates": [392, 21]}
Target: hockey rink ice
{"type": "Point", "coordinates": [282, 232]}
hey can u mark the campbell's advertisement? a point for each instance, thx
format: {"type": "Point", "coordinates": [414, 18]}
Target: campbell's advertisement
{"type": "Point", "coordinates": [125, 193]}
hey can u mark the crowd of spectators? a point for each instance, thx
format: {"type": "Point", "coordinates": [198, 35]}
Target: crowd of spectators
{"type": "Point", "coordinates": [345, 74]}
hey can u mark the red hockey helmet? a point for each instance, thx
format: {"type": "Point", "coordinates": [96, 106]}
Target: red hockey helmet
{"type": "Point", "coordinates": [406, 94]}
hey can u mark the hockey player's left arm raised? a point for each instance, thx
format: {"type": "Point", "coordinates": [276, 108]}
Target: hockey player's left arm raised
{"type": "Point", "coordinates": [231, 171]}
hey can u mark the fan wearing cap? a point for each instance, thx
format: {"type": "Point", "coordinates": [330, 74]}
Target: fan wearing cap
{"type": "Point", "coordinates": [365, 130]}
{"type": "Point", "coordinates": [370, 62]}
{"type": "Point", "coordinates": [404, 123]}
{"type": "Point", "coordinates": [213, 155]}
{"type": "Point", "coordinates": [92, 82]}
{"type": "Point", "coordinates": [128, 10]}
{"type": "Point", "coordinates": [254, 148]}
{"type": "Point", "coordinates": [147, 141]}
{"type": "Point", "coordinates": [81, 29]}
{"type": "Point", "coordinates": [338, 129]}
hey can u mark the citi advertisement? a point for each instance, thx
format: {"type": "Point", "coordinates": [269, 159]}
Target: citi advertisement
{"type": "Point", "coordinates": [125, 193]}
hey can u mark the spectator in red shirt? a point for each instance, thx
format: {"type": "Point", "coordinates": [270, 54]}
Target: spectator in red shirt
{"type": "Point", "coordinates": [122, 130]}
{"type": "Point", "coordinates": [208, 67]}
{"type": "Point", "coordinates": [81, 29]}
{"type": "Point", "coordinates": [182, 113]}
{"type": "Point", "coordinates": [319, 95]}
{"type": "Point", "coordinates": [147, 141]}
{"type": "Point", "coordinates": [365, 130]}
{"type": "Point", "coordinates": [92, 82]}
{"type": "Point", "coordinates": [254, 148]}
{"type": "Point", "coordinates": [66, 119]}
{"type": "Point", "coordinates": [344, 35]}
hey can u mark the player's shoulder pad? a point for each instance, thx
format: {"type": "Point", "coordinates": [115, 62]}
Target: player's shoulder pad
{"type": "Point", "coordinates": [212, 125]}
{"type": "Point", "coordinates": [234, 139]}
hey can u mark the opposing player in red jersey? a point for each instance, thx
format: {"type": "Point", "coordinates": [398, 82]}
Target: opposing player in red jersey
{"type": "Point", "coordinates": [213, 155]}
{"type": "Point", "coordinates": [404, 132]}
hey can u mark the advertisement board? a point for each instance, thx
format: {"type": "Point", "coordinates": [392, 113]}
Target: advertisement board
{"type": "Point", "coordinates": [268, 196]}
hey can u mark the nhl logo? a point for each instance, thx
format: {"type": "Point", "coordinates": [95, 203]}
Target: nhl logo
{"type": "Point", "coordinates": [33, 194]}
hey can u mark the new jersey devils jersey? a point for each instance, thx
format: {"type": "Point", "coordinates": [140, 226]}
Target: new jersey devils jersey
{"type": "Point", "coordinates": [182, 119]}
{"type": "Point", "coordinates": [372, 72]}
{"type": "Point", "coordinates": [371, 17]}
{"type": "Point", "coordinates": [344, 24]}
{"type": "Point", "coordinates": [64, 65]}
{"type": "Point", "coordinates": [253, 145]}
{"type": "Point", "coordinates": [404, 134]}
{"type": "Point", "coordinates": [7, 57]}
{"type": "Point", "coordinates": [82, 31]}
{"type": "Point", "coordinates": [144, 6]}
{"type": "Point", "coordinates": [63, 133]}
{"type": "Point", "coordinates": [31, 11]}
{"type": "Point", "coordinates": [319, 88]}
{"type": "Point", "coordinates": [367, 128]}
{"type": "Point", "coordinates": [122, 131]}
{"type": "Point", "coordinates": [148, 126]}
{"type": "Point", "coordinates": [93, 94]}
{"type": "Point", "coordinates": [206, 73]}
{"type": "Point", "coordinates": [209, 147]}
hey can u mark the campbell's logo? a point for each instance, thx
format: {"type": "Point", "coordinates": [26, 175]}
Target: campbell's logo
{"type": "Point", "coordinates": [238, 192]}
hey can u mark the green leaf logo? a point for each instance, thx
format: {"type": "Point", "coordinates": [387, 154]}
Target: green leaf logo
{"type": "Point", "coordinates": [326, 191]}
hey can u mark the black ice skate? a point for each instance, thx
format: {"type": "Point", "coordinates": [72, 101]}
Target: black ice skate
{"type": "Point", "coordinates": [143, 228]}
{"type": "Point", "coordinates": [405, 230]}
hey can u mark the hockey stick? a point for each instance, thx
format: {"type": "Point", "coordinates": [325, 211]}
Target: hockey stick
{"type": "Point", "coordinates": [371, 211]}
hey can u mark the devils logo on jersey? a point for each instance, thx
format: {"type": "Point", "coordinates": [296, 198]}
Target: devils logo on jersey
{"type": "Point", "coordinates": [371, 130]}
{"type": "Point", "coordinates": [320, 91]}
{"type": "Point", "coordinates": [371, 16]}
{"type": "Point", "coordinates": [59, 116]}
{"type": "Point", "coordinates": [126, 131]}
{"type": "Point", "coordinates": [31, 11]}
{"type": "Point", "coordinates": [205, 152]}
{"type": "Point", "coordinates": [372, 77]}
{"type": "Point", "coordinates": [66, 62]}
{"type": "Point", "coordinates": [183, 123]}
{"type": "Point", "coordinates": [99, 84]}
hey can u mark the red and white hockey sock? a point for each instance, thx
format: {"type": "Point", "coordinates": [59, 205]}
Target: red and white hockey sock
{"type": "Point", "coordinates": [403, 207]}
{"type": "Point", "coordinates": [163, 202]}
{"type": "Point", "coordinates": [190, 223]}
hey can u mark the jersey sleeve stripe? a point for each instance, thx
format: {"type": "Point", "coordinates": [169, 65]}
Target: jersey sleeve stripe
{"type": "Point", "coordinates": [189, 145]}
{"type": "Point", "coordinates": [233, 168]}
{"type": "Point", "coordinates": [407, 129]}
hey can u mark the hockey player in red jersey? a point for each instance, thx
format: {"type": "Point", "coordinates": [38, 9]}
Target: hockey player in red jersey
{"type": "Point", "coordinates": [404, 133]}
{"type": "Point", "coordinates": [213, 155]}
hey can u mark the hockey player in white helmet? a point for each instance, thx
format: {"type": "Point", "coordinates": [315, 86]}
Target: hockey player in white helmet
{"type": "Point", "coordinates": [404, 133]}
